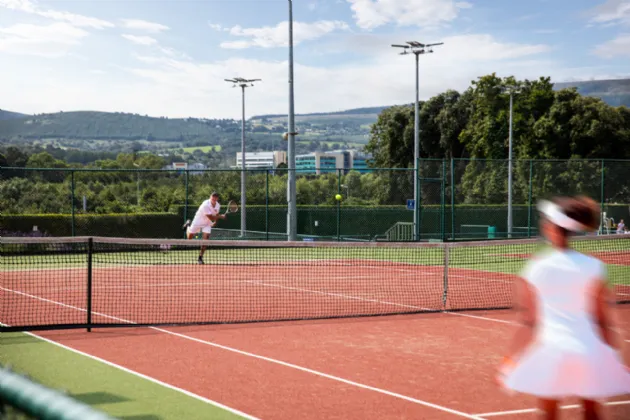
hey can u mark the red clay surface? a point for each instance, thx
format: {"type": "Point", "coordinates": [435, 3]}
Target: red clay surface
{"type": "Point", "coordinates": [444, 359]}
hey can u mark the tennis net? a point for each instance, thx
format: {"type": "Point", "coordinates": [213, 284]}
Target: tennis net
{"type": "Point", "coordinates": [105, 282]}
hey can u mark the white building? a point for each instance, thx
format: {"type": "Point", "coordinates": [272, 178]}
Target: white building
{"type": "Point", "coordinates": [261, 160]}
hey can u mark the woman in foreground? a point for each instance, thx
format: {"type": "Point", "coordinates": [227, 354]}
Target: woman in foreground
{"type": "Point", "coordinates": [566, 345]}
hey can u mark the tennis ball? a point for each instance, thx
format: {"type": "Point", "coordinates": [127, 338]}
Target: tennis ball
{"type": "Point", "coordinates": [338, 197]}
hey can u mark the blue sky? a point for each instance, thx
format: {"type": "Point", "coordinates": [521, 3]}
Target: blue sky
{"type": "Point", "coordinates": [170, 58]}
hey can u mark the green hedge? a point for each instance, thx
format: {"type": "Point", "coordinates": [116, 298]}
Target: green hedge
{"type": "Point", "coordinates": [357, 221]}
{"type": "Point", "coordinates": [141, 225]}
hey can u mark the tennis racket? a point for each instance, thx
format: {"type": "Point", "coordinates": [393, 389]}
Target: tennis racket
{"type": "Point", "coordinates": [232, 207]}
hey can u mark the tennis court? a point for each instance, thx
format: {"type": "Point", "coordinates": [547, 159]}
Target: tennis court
{"type": "Point", "coordinates": [323, 350]}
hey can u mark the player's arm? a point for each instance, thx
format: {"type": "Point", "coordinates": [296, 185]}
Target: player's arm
{"type": "Point", "coordinates": [527, 317]}
{"type": "Point", "coordinates": [604, 316]}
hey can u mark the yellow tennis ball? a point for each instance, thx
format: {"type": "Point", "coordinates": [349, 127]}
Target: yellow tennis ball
{"type": "Point", "coordinates": [338, 197]}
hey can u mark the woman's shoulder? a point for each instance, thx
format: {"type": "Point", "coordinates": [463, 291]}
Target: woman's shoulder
{"type": "Point", "coordinates": [587, 264]}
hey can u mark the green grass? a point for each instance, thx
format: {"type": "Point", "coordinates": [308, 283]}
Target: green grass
{"type": "Point", "coordinates": [204, 149]}
{"type": "Point", "coordinates": [104, 387]}
{"type": "Point", "coordinates": [491, 258]}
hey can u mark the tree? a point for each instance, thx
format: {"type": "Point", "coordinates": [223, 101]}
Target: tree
{"type": "Point", "coordinates": [391, 138]}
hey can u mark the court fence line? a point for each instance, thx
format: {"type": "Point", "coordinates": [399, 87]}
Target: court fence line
{"type": "Point", "coordinates": [458, 199]}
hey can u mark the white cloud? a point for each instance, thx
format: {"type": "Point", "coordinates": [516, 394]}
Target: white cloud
{"type": "Point", "coordinates": [53, 40]}
{"type": "Point", "coordinates": [191, 86]}
{"type": "Point", "coordinates": [216, 26]}
{"type": "Point", "coordinates": [144, 25]}
{"type": "Point", "coordinates": [180, 87]}
{"type": "Point", "coordinates": [370, 14]}
{"type": "Point", "coordinates": [31, 7]}
{"type": "Point", "coordinates": [611, 13]}
{"type": "Point", "coordinates": [140, 40]}
{"type": "Point", "coordinates": [278, 36]}
{"type": "Point", "coordinates": [617, 47]}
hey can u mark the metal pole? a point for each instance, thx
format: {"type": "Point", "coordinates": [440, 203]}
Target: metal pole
{"type": "Point", "coordinates": [603, 188]}
{"type": "Point", "coordinates": [416, 48]}
{"type": "Point", "coordinates": [186, 199]}
{"type": "Point", "coordinates": [339, 206]}
{"type": "Point", "coordinates": [267, 205]}
{"type": "Point", "coordinates": [443, 201]}
{"type": "Point", "coordinates": [72, 201]}
{"type": "Point", "coordinates": [416, 152]}
{"type": "Point", "coordinates": [452, 199]}
{"type": "Point", "coordinates": [509, 220]}
{"type": "Point", "coordinates": [291, 191]}
{"type": "Point", "coordinates": [529, 200]}
{"type": "Point", "coordinates": [243, 198]}
{"type": "Point", "coordinates": [243, 83]}
{"type": "Point", "coordinates": [138, 189]}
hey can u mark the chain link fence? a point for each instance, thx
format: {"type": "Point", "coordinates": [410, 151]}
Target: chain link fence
{"type": "Point", "coordinates": [457, 199]}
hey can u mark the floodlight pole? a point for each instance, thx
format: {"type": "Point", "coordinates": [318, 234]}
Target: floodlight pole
{"type": "Point", "coordinates": [416, 48]}
{"type": "Point", "coordinates": [243, 83]}
{"type": "Point", "coordinates": [510, 221]}
{"type": "Point", "coordinates": [416, 153]}
{"type": "Point", "coordinates": [510, 216]}
{"type": "Point", "coordinates": [291, 189]}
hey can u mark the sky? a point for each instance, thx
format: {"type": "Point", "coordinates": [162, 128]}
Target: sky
{"type": "Point", "coordinates": [171, 57]}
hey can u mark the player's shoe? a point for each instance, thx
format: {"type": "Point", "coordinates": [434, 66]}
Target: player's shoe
{"type": "Point", "coordinates": [185, 225]}
{"type": "Point", "coordinates": [200, 260]}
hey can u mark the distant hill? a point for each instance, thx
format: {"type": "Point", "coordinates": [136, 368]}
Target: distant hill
{"type": "Point", "coordinates": [8, 115]}
{"type": "Point", "coordinates": [355, 111]}
{"type": "Point", "coordinates": [615, 92]}
{"type": "Point", "coordinates": [357, 116]}
{"type": "Point", "coordinates": [111, 125]}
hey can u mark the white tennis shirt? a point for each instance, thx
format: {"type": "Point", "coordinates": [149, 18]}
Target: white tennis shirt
{"type": "Point", "coordinates": [565, 281]}
{"type": "Point", "coordinates": [204, 209]}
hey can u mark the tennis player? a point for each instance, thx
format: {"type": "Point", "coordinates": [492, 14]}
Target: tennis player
{"type": "Point", "coordinates": [566, 345]}
{"type": "Point", "coordinates": [205, 218]}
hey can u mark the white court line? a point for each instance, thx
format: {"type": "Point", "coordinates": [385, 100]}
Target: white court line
{"type": "Point", "coordinates": [535, 410]}
{"type": "Point", "coordinates": [148, 378]}
{"type": "Point", "coordinates": [268, 359]}
{"type": "Point", "coordinates": [340, 295]}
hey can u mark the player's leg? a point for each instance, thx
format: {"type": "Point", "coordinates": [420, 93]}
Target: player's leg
{"type": "Point", "coordinates": [549, 409]}
{"type": "Point", "coordinates": [205, 234]}
{"type": "Point", "coordinates": [192, 231]}
{"type": "Point", "coordinates": [591, 410]}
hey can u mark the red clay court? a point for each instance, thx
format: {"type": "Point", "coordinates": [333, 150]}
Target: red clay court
{"type": "Point", "coordinates": [439, 364]}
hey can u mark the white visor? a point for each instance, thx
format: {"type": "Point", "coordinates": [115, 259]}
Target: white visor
{"type": "Point", "coordinates": [555, 215]}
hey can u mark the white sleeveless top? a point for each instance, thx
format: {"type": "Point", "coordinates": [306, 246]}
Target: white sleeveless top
{"type": "Point", "coordinates": [564, 282]}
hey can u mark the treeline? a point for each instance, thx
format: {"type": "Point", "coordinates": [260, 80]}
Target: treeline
{"type": "Point", "coordinates": [547, 124]}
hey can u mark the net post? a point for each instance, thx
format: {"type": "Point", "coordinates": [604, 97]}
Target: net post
{"type": "Point", "coordinates": [529, 199]}
{"type": "Point", "coordinates": [447, 248]}
{"type": "Point", "coordinates": [72, 200]}
{"type": "Point", "coordinates": [267, 204]}
{"type": "Point", "coordinates": [90, 249]}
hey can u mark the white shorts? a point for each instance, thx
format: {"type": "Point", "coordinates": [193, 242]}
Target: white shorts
{"type": "Point", "coordinates": [200, 228]}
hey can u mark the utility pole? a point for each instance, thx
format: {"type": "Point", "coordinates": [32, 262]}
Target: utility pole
{"type": "Point", "coordinates": [290, 136]}
{"type": "Point", "coordinates": [416, 48]}
{"type": "Point", "coordinates": [243, 83]}
{"type": "Point", "coordinates": [510, 222]}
